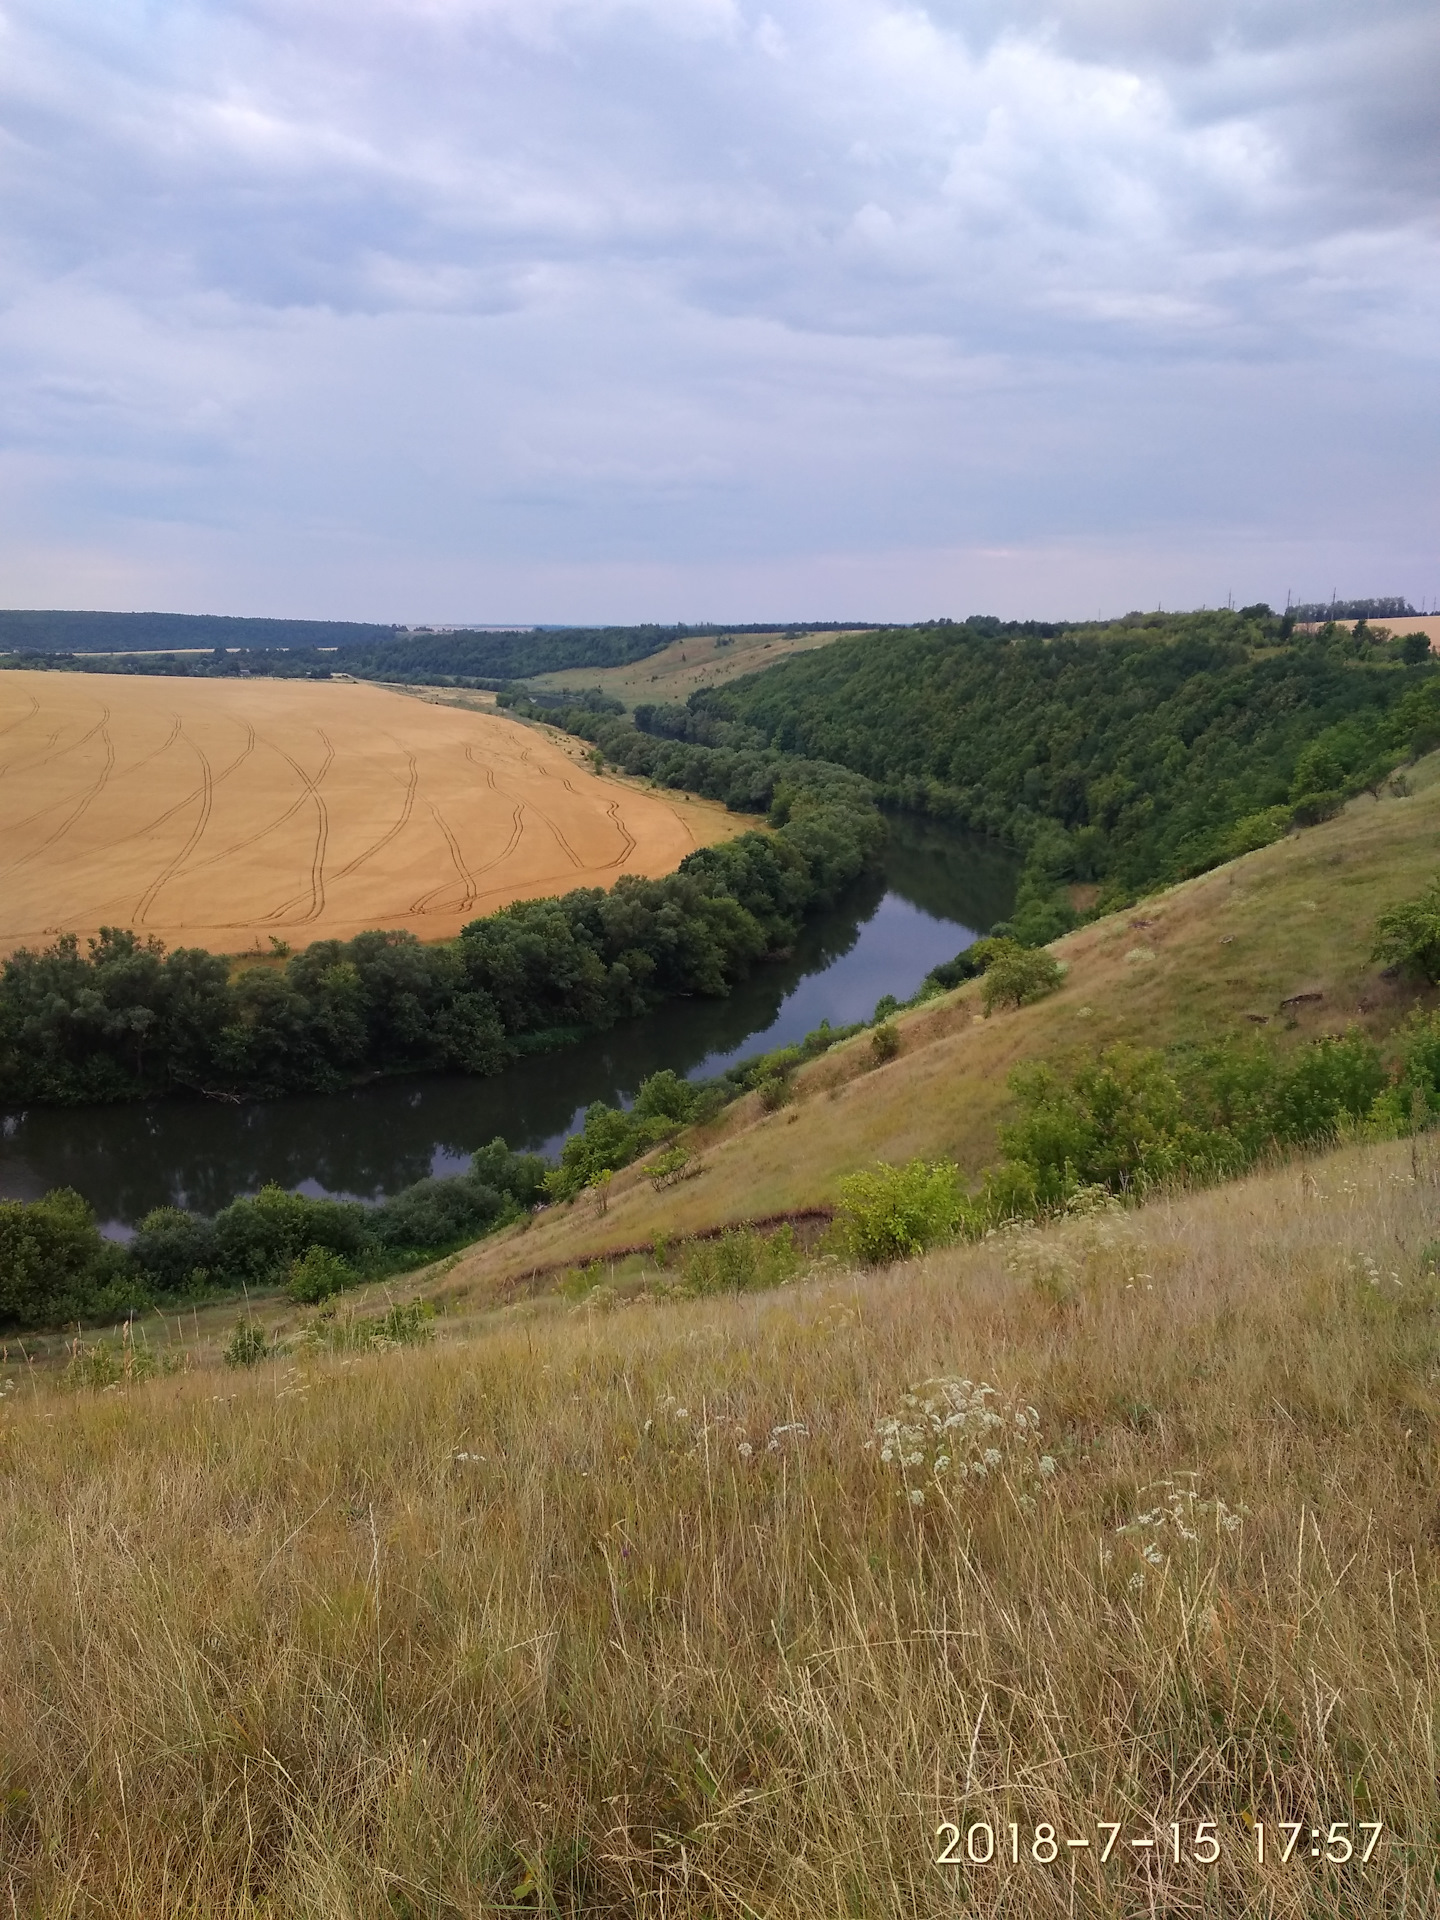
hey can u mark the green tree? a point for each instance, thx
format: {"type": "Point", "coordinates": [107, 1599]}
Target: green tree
{"type": "Point", "coordinates": [1407, 936]}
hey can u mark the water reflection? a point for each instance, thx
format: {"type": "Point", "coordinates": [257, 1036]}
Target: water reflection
{"type": "Point", "coordinates": [937, 889]}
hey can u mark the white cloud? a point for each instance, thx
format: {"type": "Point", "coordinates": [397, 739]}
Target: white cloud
{"type": "Point", "coordinates": [495, 290]}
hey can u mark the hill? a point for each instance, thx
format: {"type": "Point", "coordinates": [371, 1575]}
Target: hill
{"type": "Point", "coordinates": [1124, 757]}
{"type": "Point", "coordinates": [691, 663]}
{"type": "Point", "coordinates": [1275, 942]}
{"type": "Point", "coordinates": [730, 1604]}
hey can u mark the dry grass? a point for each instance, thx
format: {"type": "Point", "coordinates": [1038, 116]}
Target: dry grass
{"type": "Point", "coordinates": [687, 665]}
{"type": "Point", "coordinates": [218, 813]}
{"type": "Point", "coordinates": [517, 1624]}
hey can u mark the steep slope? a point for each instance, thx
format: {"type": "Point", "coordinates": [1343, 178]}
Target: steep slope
{"type": "Point", "coordinates": [1279, 939]}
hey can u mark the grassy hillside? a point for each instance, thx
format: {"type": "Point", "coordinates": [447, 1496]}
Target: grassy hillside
{"type": "Point", "coordinates": [577, 1613]}
{"type": "Point", "coordinates": [1291, 922]}
{"type": "Point", "coordinates": [689, 664]}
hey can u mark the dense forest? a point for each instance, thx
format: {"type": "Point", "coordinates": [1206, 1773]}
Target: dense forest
{"type": "Point", "coordinates": [42, 631]}
{"type": "Point", "coordinates": [126, 1019]}
{"type": "Point", "coordinates": [1127, 757]}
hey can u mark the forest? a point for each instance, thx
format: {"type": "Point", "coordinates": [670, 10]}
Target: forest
{"type": "Point", "coordinates": [127, 1020]}
{"type": "Point", "coordinates": [1120, 759]}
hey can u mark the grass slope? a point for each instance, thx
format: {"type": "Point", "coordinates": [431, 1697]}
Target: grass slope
{"type": "Point", "coordinates": [686, 665]}
{"type": "Point", "coordinates": [627, 1614]}
{"type": "Point", "coordinates": [1225, 949]}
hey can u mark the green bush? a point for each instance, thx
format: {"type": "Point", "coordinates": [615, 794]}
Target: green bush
{"type": "Point", "coordinates": [1407, 936]}
{"type": "Point", "coordinates": [891, 1213]}
{"type": "Point", "coordinates": [316, 1274]}
{"type": "Point", "coordinates": [248, 1344]}
{"type": "Point", "coordinates": [740, 1261]}
{"type": "Point", "coordinates": [54, 1265]}
{"type": "Point", "coordinates": [1015, 976]}
{"type": "Point", "coordinates": [884, 1043]}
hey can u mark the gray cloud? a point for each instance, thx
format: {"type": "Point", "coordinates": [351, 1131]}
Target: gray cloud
{"type": "Point", "coordinates": [406, 307]}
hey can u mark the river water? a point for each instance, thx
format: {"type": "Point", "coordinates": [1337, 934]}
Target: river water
{"type": "Point", "coordinates": [938, 890]}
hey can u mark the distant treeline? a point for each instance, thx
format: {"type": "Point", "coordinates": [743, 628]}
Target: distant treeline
{"type": "Point", "coordinates": [127, 1020]}
{"type": "Point", "coordinates": [1128, 757]}
{"type": "Point", "coordinates": [58, 632]}
{"type": "Point", "coordinates": [311, 649]}
{"type": "Point", "coordinates": [1397, 607]}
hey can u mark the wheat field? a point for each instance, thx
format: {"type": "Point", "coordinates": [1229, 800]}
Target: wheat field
{"type": "Point", "coordinates": [222, 813]}
{"type": "Point", "coordinates": [669, 1607]}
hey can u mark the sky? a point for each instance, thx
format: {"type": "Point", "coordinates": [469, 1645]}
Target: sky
{"type": "Point", "coordinates": [446, 311]}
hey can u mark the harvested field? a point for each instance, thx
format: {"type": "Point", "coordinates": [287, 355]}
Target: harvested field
{"type": "Point", "coordinates": [220, 813]}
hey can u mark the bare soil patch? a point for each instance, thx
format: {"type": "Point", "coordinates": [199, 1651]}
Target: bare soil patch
{"type": "Point", "coordinates": [222, 813]}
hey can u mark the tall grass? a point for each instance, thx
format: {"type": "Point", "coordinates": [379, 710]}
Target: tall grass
{"type": "Point", "coordinates": [629, 1612]}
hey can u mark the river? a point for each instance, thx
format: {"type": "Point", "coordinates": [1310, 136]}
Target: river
{"type": "Point", "coordinates": [938, 890]}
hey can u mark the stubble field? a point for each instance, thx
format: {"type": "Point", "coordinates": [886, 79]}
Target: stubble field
{"type": "Point", "coordinates": [221, 813]}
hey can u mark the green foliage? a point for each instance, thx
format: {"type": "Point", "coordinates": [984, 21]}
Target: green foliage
{"type": "Point", "coordinates": [123, 1361]}
{"type": "Point", "coordinates": [1407, 936]}
{"type": "Point", "coordinates": [1015, 976]}
{"type": "Point", "coordinates": [740, 1261]}
{"type": "Point", "coordinates": [248, 1344]}
{"type": "Point", "coordinates": [891, 1213]}
{"type": "Point", "coordinates": [1132, 755]}
{"type": "Point", "coordinates": [54, 1265]}
{"type": "Point", "coordinates": [316, 1274]}
{"type": "Point", "coordinates": [667, 1167]}
{"type": "Point", "coordinates": [1131, 1119]}
{"type": "Point", "coordinates": [403, 1324]}
{"type": "Point", "coordinates": [884, 1043]}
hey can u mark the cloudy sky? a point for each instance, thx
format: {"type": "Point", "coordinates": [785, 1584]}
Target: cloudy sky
{"type": "Point", "coordinates": [447, 310]}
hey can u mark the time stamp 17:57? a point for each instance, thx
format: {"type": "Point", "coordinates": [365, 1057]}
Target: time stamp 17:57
{"type": "Point", "coordinates": [979, 1843]}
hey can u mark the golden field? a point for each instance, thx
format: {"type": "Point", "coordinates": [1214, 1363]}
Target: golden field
{"type": "Point", "coordinates": [221, 813]}
{"type": "Point", "coordinates": [617, 1608]}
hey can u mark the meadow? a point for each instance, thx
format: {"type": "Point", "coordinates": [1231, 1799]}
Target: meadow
{"type": "Point", "coordinates": [229, 813]}
{"type": "Point", "coordinates": [686, 666]}
{"type": "Point", "coordinates": [724, 1605]}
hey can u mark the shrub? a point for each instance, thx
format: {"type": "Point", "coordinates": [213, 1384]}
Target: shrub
{"type": "Point", "coordinates": [775, 1091]}
{"type": "Point", "coordinates": [668, 1167]}
{"type": "Point", "coordinates": [1016, 976]}
{"type": "Point", "coordinates": [1407, 936]}
{"type": "Point", "coordinates": [740, 1261]}
{"type": "Point", "coordinates": [316, 1274]}
{"type": "Point", "coordinates": [889, 1213]}
{"type": "Point", "coordinates": [53, 1263]}
{"type": "Point", "coordinates": [884, 1043]}
{"type": "Point", "coordinates": [248, 1344]}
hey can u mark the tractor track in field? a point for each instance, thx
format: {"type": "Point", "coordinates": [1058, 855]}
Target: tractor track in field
{"type": "Point", "coordinates": [322, 840]}
{"type": "Point", "coordinates": [195, 793]}
{"type": "Point", "coordinates": [206, 791]}
{"type": "Point", "coordinates": [517, 828]}
{"type": "Point", "coordinates": [613, 814]}
{"type": "Point", "coordinates": [54, 753]}
{"type": "Point", "coordinates": [80, 809]}
{"type": "Point", "coordinates": [407, 807]}
{"type": "Point", "coordinates": [249, 839]}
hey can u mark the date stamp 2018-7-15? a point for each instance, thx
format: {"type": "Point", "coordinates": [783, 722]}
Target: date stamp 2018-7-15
{"type": "Point", "coordinates": [1201, 1843]}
